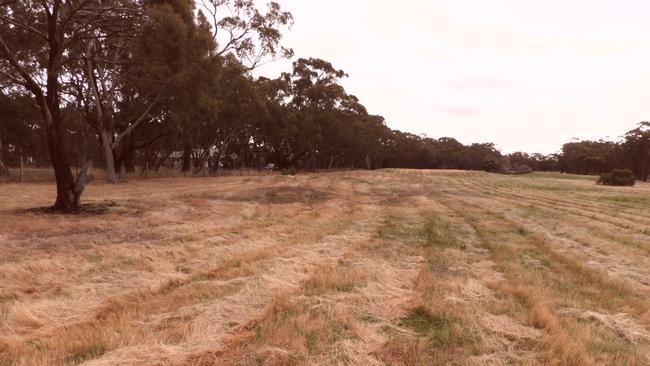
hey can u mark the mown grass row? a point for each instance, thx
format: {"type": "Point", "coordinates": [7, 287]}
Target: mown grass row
{"type": "Point", "coordinates": [551, 293]}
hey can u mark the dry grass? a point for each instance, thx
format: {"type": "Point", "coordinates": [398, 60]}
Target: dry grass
{"type": "Point", "coordinates": [391, 267]}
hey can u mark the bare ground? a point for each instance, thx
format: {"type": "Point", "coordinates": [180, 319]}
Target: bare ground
{"type": "Point", "coordinates": [391, 267]}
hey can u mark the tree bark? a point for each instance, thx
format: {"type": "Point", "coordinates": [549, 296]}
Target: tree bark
{"type": "Point", "coordinates": [4, 170]}
{"type": "Point", "coordinates": [128, 160]}
{"type": "Point", "coordinates": [82, 180]}
{"type": "Point", "coordinates": [187, 157]}
{"type": "Point", "coordinates": [107, 148]}
{"type": "Point", "coordinates": [368, 162]}
{"type": "Point", "coordinates": [66, 198]}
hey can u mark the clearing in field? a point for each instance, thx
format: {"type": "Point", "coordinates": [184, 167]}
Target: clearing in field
{"type": "Point", "coordinates": [392, 267]}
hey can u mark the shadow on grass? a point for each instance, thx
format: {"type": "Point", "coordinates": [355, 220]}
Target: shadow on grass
{"type": "Point", "coordinates": [283, 195]}
{"type": "Point", "coordinates": [87, 209]}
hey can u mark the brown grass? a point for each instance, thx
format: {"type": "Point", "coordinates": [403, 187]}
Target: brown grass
{"type": "Point", "coordinates": [390, 267]}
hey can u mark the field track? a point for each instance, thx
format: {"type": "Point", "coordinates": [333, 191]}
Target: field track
{"type": "Point", "coordinates": [398, 267]}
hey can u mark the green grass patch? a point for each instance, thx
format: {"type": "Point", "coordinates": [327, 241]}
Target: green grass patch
{"type": "Point", "coordinates": [440, 328]}
{"type": "Point", "coordinates": [87, 353]}
{"type": "Point", "coordinates": [631, 201]}
{"type": "Point", "coordinates": [399, 229]}
{"type": "Point", "coordinates": [439, 233]}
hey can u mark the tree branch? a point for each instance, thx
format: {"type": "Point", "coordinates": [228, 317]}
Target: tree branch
{"type": "Point", "coordinates": [29, 83]}
{"type": "Point", "coordinates": [13, 78]}
{"type": "Point", "coordinates": [24, 27]}
{"type": "Point", "coordinates": [136, 122]}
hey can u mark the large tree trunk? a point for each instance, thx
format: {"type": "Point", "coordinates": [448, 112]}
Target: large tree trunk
{"type": "Point", "coordinates": [128, 160]}
{"type": "Point", "coordinates": [187, 157]}
{"type": "Point", "coordinates": [4, 170]}
{"type": "Point", "coordinates": [107, 148]}
{"type": "Point", "coordinates": [66, 198]}
{"type": "Point", "coordinates": [368, 162]}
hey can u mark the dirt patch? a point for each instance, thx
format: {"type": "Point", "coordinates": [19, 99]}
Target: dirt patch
{"type": "Point", "coordinates": [87, 209]}
{"type": "Point", "coordinates": [283, 195]}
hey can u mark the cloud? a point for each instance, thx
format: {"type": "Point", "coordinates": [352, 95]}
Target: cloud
{"type": "Point", "coordinates": [459, 110]}
{"type": "Point", "coordinates": [478, 83]}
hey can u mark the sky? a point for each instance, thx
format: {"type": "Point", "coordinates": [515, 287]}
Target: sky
{"type": "Point", "coordinates": [528, 75]}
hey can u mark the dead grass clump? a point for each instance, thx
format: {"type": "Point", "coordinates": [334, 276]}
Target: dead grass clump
{"type": "Point", "coordinates": [291, 333]}
{"type": "Point", "coordinates": [84, 352]}
{"type": "Point", "coordinates": [334, 279]}
{"type": "Point", "coordinates": [22, 317]}
{"type": "Point", "coordinates": [621, 324]}
{"type": "Point", "coordinates": [543, 318]}
{"type": "Point", "coordinates": [509, 328]}
{"type": "Point", "coordinates": [406, 350]}
{"type": "Point", "coordinates": [8, 348]}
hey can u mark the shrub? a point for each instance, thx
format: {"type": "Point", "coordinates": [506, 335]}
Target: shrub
{"type": "Point", "coordinates": [504, 166]}
{"type": "Point", "coordinates": [523, 169]}
{"type": "Point", "coordinates": [491, 165]}
{"type": "Point", "coordinates": [618, 177]}
{"type": "Point", "coordinates": [289, 171]}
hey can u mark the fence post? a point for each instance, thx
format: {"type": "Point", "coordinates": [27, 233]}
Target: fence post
{"type": "Point", "coordinates": [22, 170]}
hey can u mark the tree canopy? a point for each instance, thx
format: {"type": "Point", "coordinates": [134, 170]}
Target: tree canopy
{"type": "Point", "coordinates": [158, 83]}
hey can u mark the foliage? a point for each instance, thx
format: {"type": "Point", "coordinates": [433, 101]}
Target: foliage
{"type": "Point", "coordinates": [618, 177]}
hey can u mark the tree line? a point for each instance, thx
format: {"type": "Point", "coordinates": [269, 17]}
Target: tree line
{"type": "Point", "coordinates": [131, 84]}
{"type": "Point", "coordinates": [597, 157]}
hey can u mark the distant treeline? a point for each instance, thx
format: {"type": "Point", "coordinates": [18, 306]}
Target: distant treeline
{"type": "Point", "coordinates": [631, 152]}
{"type": "Point", "coordinates": [160, 83]}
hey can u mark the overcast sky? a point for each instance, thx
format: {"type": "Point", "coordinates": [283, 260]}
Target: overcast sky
{"type": "Point", "coordinates": [528, 75]}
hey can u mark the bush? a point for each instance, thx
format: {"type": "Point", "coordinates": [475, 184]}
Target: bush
{"type": "Point", "coordinates": [491, 165]}
{"type": "Point", "coordinates": [289, 171]}
{"type": "Point", "coordinates": [523, 169]}
{"type": "Point", "coordinates": [618, 177]}
{"type": "Point", "coordinates": [504, 166]}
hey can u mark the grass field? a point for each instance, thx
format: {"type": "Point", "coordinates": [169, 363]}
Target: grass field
{"type": "Point", "coordinates": [392, 267]}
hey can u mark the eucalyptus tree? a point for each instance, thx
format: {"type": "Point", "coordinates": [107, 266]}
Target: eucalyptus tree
{"type": "Point", "coordinates": [245, 37]}
{"type": "Point", "coordinates": [98, 72]}
{"type": "Point", "coordinates": [637, 148]}
{"type": "Point", "coordinates": [36, 43]}
{"type": "Point", "coordinates": [318, 100]}
{"type": "Point", "coordinates": [242, 29]}
{"type": "Point", "coordinates": [239, 114]}
{"type": "Point", "coordinates": [135, 70]}
{"type": "Point", "coordinates": [20, 134]}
